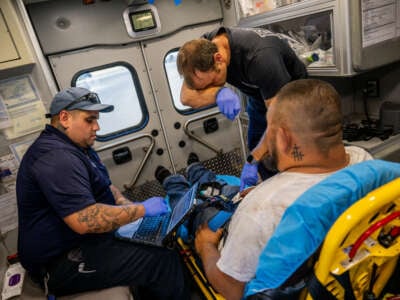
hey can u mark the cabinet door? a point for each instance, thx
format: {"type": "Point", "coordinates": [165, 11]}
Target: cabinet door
{"type": "Point", "coordinates": [375, 29]}
{"type": "Point", "coordinates": [14, 50]}
{"type": "Point", "coordinates": [8, 51]}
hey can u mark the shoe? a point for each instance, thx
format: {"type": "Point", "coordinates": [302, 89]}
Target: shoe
{"type": "Point", "coordinates": [161, 173]}
{"type": "Point", "coordinates": [192, 158]}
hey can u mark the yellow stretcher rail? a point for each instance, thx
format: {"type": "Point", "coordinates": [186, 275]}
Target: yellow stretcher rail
{"type": "Point", "coordinates": [352, 245]}
{"type": "Point", "coordinates": [196, 272]}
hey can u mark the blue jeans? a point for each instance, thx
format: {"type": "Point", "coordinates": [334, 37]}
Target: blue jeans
{"type": "Point", "coordinates": [257, 126]}
{"type": "Point", "coordinates": [257, 122]}
{"type": "Point", "coordinates": [177, 185]}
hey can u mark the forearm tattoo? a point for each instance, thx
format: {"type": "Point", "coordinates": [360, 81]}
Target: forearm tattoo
{"type": "Point", "coordinates": [104, 218]}
{"type": "Point", "coordinates": [297, 154]}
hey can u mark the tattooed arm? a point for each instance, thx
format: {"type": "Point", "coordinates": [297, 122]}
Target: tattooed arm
{"type": "Point", "coordinates": [119, 198]}
{"type": "Point", "coordinates": [99, 218]}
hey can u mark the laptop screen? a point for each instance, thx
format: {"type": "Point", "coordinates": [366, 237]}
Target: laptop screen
{"type": "Point", "coordinates": [182, 207]}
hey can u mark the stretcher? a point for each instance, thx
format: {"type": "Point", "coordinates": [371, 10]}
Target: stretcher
{"type": "Point", "coordinates": [191, 262]}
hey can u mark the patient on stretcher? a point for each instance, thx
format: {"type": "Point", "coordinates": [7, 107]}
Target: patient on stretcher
{"type": "Point", "coordinates": [219, 195]}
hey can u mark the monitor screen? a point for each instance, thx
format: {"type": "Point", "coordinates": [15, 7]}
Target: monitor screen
{"type": "Point", "coordinates": [183, 207]}
{"type": "Point", "coordinates": [143, 20]}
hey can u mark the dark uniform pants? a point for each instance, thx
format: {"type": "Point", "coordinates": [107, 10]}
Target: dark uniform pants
{"type": "Point", "coordinates": [106, 262]}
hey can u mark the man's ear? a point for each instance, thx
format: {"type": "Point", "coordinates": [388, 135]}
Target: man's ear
{"type": "Point", "coordinates": [218, 58]}
{"type": "Point", "coordinates": [268, 101]}
{"type": "Point", "coordinates": [64, 118]}
{"type": "Point", "coordinates": [283, 140]}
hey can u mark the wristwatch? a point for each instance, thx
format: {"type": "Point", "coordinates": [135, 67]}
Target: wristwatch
{"type": "Point", "coordinates": [251, 160]}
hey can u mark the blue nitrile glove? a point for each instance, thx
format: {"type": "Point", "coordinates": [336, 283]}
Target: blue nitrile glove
{"type": "Point", "coordinates": [228, 103]}
{"type": "Point", "coordinates": [155, 206]}
{"type": "Point", "coordinates": [249, 175]}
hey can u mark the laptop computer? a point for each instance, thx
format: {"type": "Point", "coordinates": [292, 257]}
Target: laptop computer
{"type": "Point", "coordinates": [159, 230]}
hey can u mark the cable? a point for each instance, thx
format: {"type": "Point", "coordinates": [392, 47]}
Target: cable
{"type": "Point", "coordinates": [365, 104]}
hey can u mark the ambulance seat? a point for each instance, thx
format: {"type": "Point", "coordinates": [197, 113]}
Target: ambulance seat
{"type": "Point", "coordinates": [354, 214]}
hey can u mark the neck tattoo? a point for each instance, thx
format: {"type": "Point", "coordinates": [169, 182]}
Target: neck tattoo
{"type": "Point", "coordinates": [297, 154]}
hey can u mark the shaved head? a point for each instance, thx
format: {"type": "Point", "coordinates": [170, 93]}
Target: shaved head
{"type": "Point", "coordinates": [311, 109]}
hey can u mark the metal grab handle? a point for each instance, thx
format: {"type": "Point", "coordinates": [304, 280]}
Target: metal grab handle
{"type": "Point", "coordinates": [195, 137]}
{"type": "Point", "coordinates": [143, 161]}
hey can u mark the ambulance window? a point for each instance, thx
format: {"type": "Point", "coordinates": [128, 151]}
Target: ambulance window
{"type": "Point", "coordinates": [116, 84]}
{"type": "Point", "coordinates": [174, 80]}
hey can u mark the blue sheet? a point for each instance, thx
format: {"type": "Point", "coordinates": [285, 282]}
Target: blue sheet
{"type": "Point", "coordinates": [306, 222]}
{"type": "Point", "coordinates": [229, 179]}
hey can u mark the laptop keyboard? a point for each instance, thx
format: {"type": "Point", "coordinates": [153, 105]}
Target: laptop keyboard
{"type": "Point", "coordinates": [152, 227]}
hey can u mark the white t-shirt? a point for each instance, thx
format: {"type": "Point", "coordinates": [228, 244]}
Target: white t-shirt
{"type": "Point", "coordinates": [259, 213]}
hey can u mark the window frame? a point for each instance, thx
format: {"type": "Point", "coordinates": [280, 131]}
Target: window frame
{"type": "Point", "coordinates": [187, 111]}
{"type": "Point", "coordinates": [142, 103]}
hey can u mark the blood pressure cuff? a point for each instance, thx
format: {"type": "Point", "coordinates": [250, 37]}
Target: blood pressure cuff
{"type": "Point", "coordinates": [216, 211]}
{"type": "Point", "coordinates": [215, 208]}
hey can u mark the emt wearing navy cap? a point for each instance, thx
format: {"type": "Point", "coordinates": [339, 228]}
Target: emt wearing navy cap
{"type": "Point", "coordinates": [69, 209]}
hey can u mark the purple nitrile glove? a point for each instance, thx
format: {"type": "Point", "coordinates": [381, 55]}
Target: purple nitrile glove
{"type": "Point", "coordinates": [155, 206]}
{"type": "Point", "coordinates": [228, 103]}
{"type": "Point", "coordinates": [249, 175]}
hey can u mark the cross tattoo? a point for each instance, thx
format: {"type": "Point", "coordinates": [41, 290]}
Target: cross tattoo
{"type": "Point", "coordinates": [297, 154]}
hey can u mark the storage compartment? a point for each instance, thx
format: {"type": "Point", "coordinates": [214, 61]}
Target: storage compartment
{"type": "Point", "coordinates": [350, 36]}
{"type": "Point", "coordinates": [14, 51]}
{"type": "Point", "coordinates": [314, 32]}
{"type": "Point", "coordinates": [8, 50]}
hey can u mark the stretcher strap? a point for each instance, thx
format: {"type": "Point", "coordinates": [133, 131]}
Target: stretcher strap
{"type": "Point", "coordinates": [319, 291]}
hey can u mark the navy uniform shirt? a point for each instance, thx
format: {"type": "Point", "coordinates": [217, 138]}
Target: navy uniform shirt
{"type": "Point", "coordinates": [56, 178]}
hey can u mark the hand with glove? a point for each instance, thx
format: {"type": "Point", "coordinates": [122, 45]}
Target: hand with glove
{"type": "Point", "coordinates": [249, 175]}
{"type": "Point", "coordinates": [155, 206]}
{"type": "Point", "coordinates": [228, 103]}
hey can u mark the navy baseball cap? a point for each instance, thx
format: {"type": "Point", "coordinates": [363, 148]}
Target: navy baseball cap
{"type": "Point", "coordinates": [77, 98]}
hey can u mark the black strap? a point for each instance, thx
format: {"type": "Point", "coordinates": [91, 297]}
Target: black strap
{"type": "Point", "coordinates": [345, 282]}
{"type": "Point", "coordinates": [319, 291]}
{"type": "Point", "coordinates": [288, 293]}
